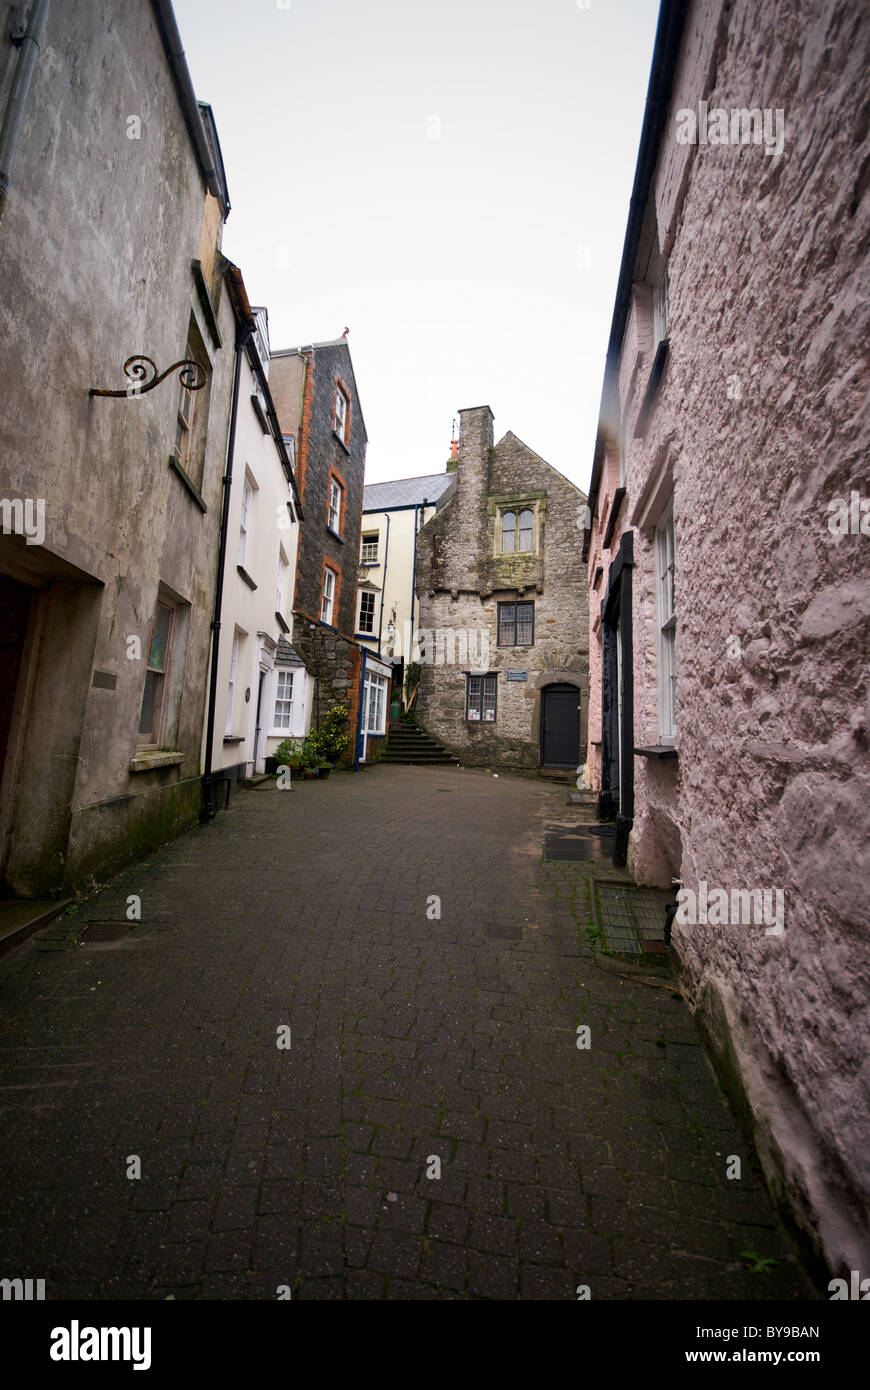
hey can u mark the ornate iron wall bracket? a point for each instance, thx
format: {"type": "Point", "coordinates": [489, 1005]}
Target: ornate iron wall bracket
{"type": "Point", "coordinates": [191, 374]}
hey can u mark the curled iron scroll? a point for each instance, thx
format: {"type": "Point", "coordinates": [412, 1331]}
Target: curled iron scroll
{"type": "Point", "coordinates": [141, 371]}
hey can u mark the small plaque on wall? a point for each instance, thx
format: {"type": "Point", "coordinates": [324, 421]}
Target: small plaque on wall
{"type": "Point", "coordinates": [516, 675]}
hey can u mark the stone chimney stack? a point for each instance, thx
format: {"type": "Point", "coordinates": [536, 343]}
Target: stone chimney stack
{"type": "Point", "coordinates": [475, 442]}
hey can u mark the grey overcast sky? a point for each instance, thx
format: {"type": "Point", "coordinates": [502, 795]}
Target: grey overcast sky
{"type": "Point", "coordinates": [451, 182]}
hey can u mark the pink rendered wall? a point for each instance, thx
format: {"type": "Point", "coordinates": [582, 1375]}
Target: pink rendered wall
{"type": "Point", "coordinates": [761, 421]}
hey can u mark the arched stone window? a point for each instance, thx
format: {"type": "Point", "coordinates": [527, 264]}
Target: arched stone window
{"type": "Point", "coordinates": [526, 528]}
{"type": "Point", "coordinates": [508, 532]}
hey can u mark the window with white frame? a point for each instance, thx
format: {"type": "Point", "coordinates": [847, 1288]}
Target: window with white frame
{"type": "Point", "coordinates": [151, 715]}
{"type": "Point", "coordinates": [480, 699]}
{"type": "Point", "coordinates": [281, 590]}
{"type": "Point", "coordinates": [657, 279]}
{"type": "Point", "coordinates": [333, 518]}
{"type": "Point", "coordinates": [660, 307]}
{"type": "Point", "coordinates": [192, 409]}
{"type": "Point", "coordinates": [184, 418]}
{"type": "Point", "coordinates": [231, 685]}
{"type": "Point", "coordinates": [375, 710]}
{"type": "Point", "coordinates": [366, 615]}
{"type": "Point", "coordinates": [339, 423]}
{"type": "Point", "coordinates": [369, 554]}
{"type": "Point", "coordinates": [282, 721]}
{"type": "Point", "coordinates": [665, 554]}
{"type": "Point", "coordinates": [245, 524]}
{"type": "Point", "coordinates": [327, 600]}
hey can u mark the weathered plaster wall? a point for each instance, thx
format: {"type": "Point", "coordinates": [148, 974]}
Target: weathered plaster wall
{"type": "Point", "coordinates": [762, 420]}
{"type": "Point", "coordinates": [97, 243]}
{"type": "Point", "coordinates": [394, 575]}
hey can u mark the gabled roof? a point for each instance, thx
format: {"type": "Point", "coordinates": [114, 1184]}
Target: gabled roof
{"type": "Point", "coordinates": [285, 655]}
{"type": "Point", "coordinates": [305, 348]}
{"type": "Point", "coordinates": [509, 434]}
{"type": "Point", "coordinates": [406, 492]}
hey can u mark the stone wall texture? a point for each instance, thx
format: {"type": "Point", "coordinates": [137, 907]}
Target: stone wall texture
{"type": "Point", "coordinates": [321, 454]}
{"type": "Point", "coordinates": [461, 580]}
{"type": "Point", "coordinates": [329, 651]}
{"type": "Point", "coordinates": [760, 423]}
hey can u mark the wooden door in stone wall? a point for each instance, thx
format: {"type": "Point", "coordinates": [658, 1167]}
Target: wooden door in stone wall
{"type": "Point", "coordinates": [560, 726]}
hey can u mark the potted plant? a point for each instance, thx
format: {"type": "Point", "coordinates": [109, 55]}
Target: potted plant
{"type": "Point", "coordinates": [324, 769]}
{"type": "Point", "coordinates": [330, 740]}
{"type": "Point", "coordinates": [309, 759]}
{"type": "Point", "coordinates": [287, 754]}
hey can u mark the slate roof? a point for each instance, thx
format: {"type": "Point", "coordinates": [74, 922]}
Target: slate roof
{"type": "Point", "coordinates": [285, 655]}
{"type": "Point", "coordinates": [406, 492]}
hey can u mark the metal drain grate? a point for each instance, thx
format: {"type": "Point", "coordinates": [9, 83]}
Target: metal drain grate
{"type": "Point", "coordinates": [633, 918]}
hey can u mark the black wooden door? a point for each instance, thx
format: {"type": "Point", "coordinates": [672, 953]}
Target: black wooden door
{"type": "Point", "coordinates": [560, 726]}
{"type": "Point", "coordinates": [14, 610]}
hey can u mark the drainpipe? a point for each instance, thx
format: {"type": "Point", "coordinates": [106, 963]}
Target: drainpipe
{"type": "Point", "coordinates": [208, 807]}
{"type": "Point", "coordinates": [384, 584]}
{"type": "Point", "coordinates": [414, 574]}
{"type": "Point", "coordinates": [186, 95]}
{"type": "Point", "coordinates": [28, 52]}
{"type": "Point", "coordinates": [362, 686]}
{"type": "Point", "coordinates": [413, 583]}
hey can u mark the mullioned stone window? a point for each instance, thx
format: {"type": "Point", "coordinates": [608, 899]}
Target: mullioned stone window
{"type": "Point", "coordinates": [517, 525]}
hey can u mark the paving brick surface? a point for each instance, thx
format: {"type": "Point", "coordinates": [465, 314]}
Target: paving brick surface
{"type": "Point", "coordinates": [420, 1043]}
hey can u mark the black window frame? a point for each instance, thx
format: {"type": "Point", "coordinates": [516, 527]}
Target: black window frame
{"type": "Point", "coordinates": [487, 676]}
{"type": "Point", "coordinates": [515, 604]}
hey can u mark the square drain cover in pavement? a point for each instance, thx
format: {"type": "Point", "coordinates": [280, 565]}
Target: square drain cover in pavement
{"type": "Point", "coordinates": [505, 931]}
{"type": "Point", "coordinates": [567, 842]}
{"type": "Point", "coordinates": [633, 918]}
{"type": "Point", "coordinates": [105, 931]}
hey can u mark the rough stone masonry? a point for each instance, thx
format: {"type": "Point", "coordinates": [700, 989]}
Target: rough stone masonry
{"type": "Point", "coordinates": [465, 572]}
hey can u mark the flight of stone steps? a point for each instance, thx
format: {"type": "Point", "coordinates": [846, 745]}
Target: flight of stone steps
{"type": "Point", "coordinates": [408, 743]}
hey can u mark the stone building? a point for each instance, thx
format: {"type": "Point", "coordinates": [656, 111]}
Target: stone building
{"type": "Point", "coordinates": [503, 618]}
{"type": "Point", "coordinates": [114, 200]}
{"type": "Point", "coordinates": [729, 571]}
{"type": "Point", "coordinates": [316, 397]}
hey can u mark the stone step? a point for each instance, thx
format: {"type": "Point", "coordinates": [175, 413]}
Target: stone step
{"type": "Point", "coordinates": [409, 744]}
{"type": "Point", "coordinates": [418, 758]}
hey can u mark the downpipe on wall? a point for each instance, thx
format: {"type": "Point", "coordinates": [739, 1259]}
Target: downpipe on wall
{"type": "Point", "coordinates": [28, 51]}
{"type": "Point", "coordinates": [207, 813]}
